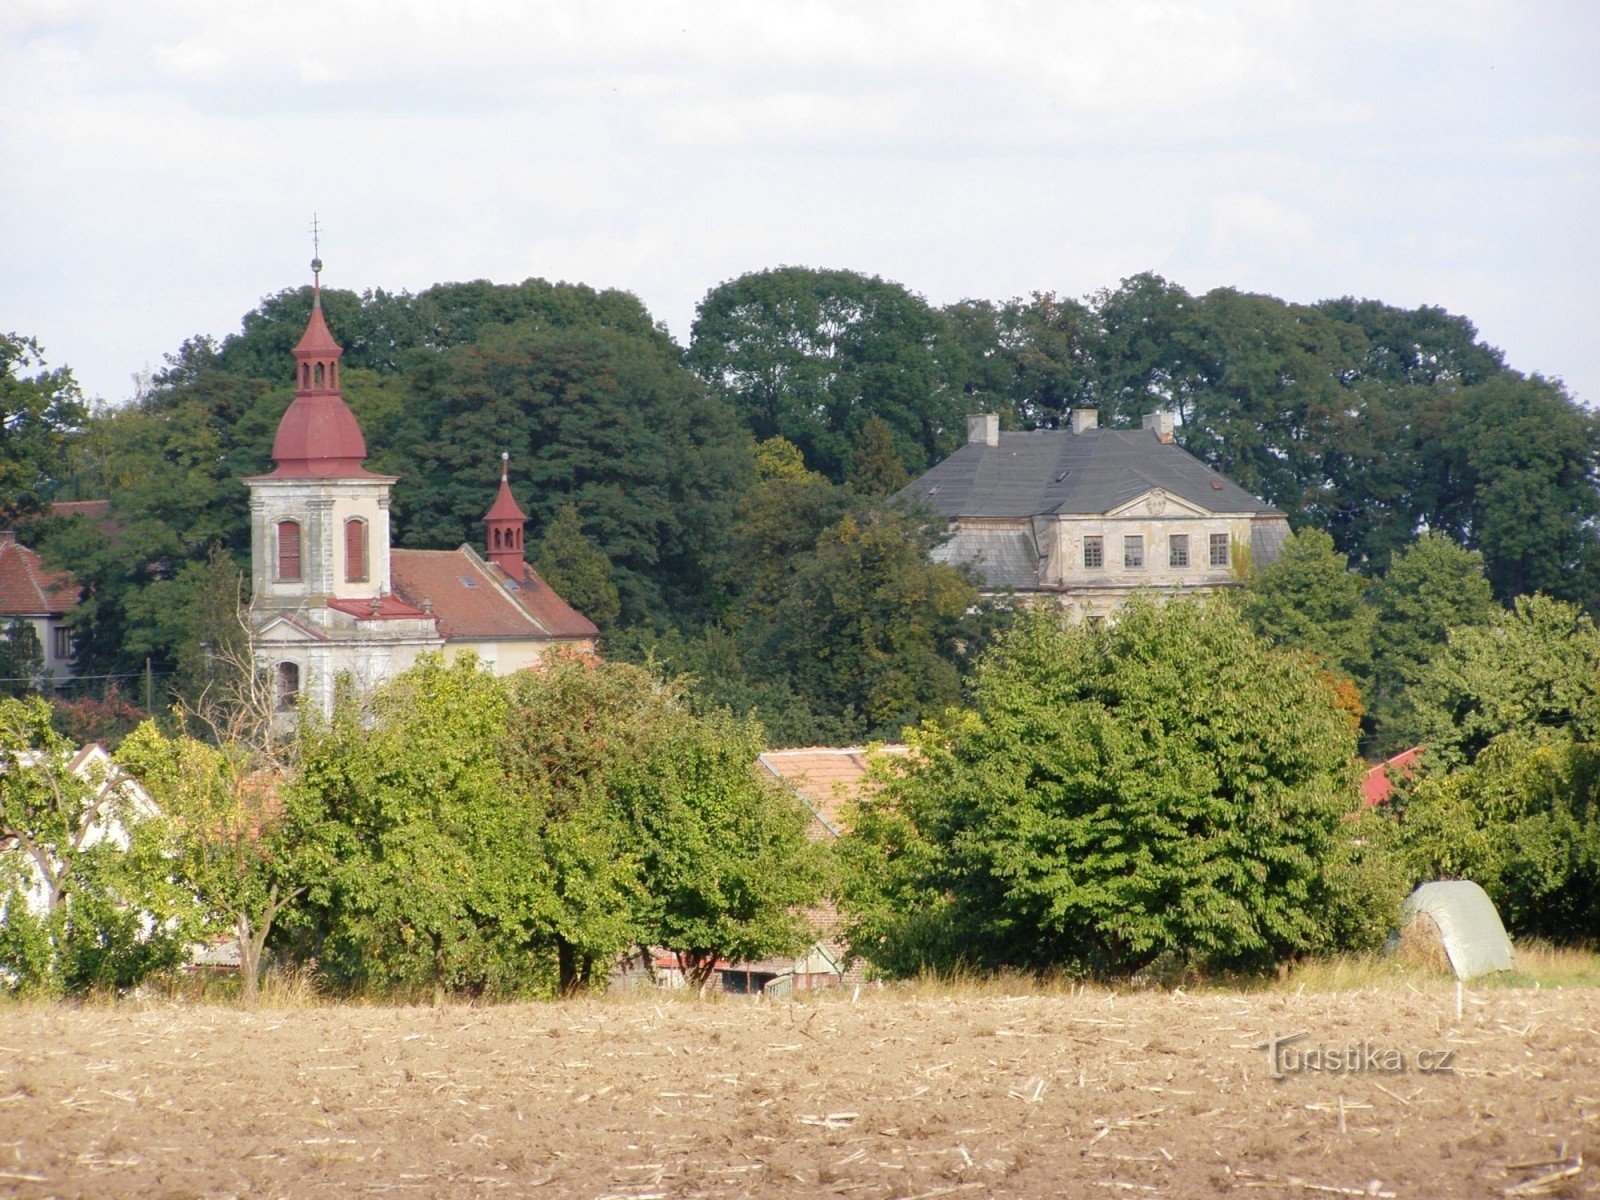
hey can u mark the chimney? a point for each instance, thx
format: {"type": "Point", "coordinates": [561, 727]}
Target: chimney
{"type": "Point", "coordinates": [1161, 422]}
{"type": "Point", "coordinates": [983, 429]}
{"type": "Point", "coordinates": [1085, 419]}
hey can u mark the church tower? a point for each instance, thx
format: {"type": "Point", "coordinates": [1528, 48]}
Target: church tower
{"type": "Point", "coordinates": [319, 521]}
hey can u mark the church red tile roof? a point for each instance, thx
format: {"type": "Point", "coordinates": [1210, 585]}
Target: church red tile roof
{"type": "Point", "coordinates": [473, 600]}
{"type": "Point", "coordinates": [28, 587]}
{"type": "Point", "coordinates": [389, 608]}
{"type": "Point", "coordinates": [1380, 781]}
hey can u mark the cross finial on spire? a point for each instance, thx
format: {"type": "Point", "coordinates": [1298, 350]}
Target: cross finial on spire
{"type": "Point", "coordinates": [316, 253]}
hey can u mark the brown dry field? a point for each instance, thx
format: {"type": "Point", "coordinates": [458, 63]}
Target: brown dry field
{"type": "Point", "coordinates": [897, 1095]}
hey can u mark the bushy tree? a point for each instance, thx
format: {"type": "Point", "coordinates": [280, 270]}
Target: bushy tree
{"type": "Point", "coordinates": [1165, 785]}
{"type": "Point", "coordinates": [39, 414]}
{"type": "Point", "coordinates": [867, 623]}
{"type": "Point", "coordinates": [241, 843]}
{"type": "Point", "coordinates": [1430, 588]}
{"type": "Point", "coordinates": [1310, 600]}
{"type": "Point", "coordinates": [1534, 670]}
{"type": "Point", "coordinates": [812, 354]}
{"type": "Point", "coordinates": [1523, 822]}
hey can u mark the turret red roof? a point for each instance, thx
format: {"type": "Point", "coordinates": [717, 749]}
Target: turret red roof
{"type": "Point", "coordinates": [319, 437]}
{"type": "Point", "coordinates": [505, 506]}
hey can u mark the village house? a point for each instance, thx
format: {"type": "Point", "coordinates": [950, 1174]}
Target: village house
{"type": "Point", "coordinates": [1087, 516]}
{"type": "Point", "coordinates": [41, 598]}
{"type": "Point", "coordinates": [332, 599]}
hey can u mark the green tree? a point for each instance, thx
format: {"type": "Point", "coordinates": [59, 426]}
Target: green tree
{"type": "Point", "coordinates": [810, 355]}
{"type": "Point", "coordinates": [1523, 821]}
{"type": "Point", "coordinates": [867, 624]}
{"type": "Point", "coordinates": [84, 887]}
{"type": "Point", "coordinates": [580, 573]}
{"type": "Point", "coordinates": [609, 422]}
{"type": "Point", "coordinates": [726, 867]}
{"type": "Point", "coordinates": [1430, 588]}
{"type": "Point", "coordinates": [1534, 671]}
{"type": "Point", "coordinates": [39, 413]}
{"type": "Point", "coordinates": [419, 885]}
{"type": "Point", "coordinates": [241, 844]}
{"type": "Point", "coordinates": [1310, 600]}
{"type": "Point", "coordinates": [1167, 785]}
{"type": "Point", "coordinates": [878, 470]}
{"type": "Point", "coordinates": [21, 659]}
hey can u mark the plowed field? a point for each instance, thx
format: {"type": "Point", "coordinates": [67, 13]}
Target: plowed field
{"type": "Point", "coordinates": [1088, 1094]}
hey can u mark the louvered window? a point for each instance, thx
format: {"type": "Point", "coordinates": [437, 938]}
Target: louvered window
{"type": "Point", "coordinates": [289, 550]}
{"type": "Point", "coordinates": [355, 550]}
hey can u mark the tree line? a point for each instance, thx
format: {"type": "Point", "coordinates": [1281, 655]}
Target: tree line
{"type": "Point", "coordinates": [717, 505]}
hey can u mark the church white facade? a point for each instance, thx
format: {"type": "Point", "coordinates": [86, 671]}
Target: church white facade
{"type": "Point", "coordinates": [332, 600]}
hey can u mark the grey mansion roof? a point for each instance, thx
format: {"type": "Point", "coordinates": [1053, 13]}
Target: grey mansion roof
{"type": "Point", "coordinates": [1056, 471]}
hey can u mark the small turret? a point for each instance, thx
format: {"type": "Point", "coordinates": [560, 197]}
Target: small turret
{"type": "Point", "coordinates": [506, 521]}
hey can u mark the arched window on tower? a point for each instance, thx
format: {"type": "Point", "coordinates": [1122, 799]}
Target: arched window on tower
{"type": "Point", "coordinates": [288, 686]}
{"type": "Point", "coordinates": [305, 376]}
{"type": "Point", "coordinates": [289, 550]}
{"type": "Point", "coordinates": [318, 375]}
{"type": "Point", "coordinates": [355, 550]}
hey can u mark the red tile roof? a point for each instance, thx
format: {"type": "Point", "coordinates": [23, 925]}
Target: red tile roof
{"type": "Point", "coordinates": [474, 600]}
{"type": "Point", "coordinates": [827, 779]}
{"type": "Point", "coordinates": [1380, 780]}
{"type": "Point", "coordinates": [28, 588]}
{"type": "Point", "coordinates": [390, 608]}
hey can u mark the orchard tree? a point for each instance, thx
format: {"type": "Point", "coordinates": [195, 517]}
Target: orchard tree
{"type": "Point", "coordinates": [1168, 785]}
{"type": "Point", "coordinates": [245, 846]}
{"type": "Point", "coordinates": [86, 891]}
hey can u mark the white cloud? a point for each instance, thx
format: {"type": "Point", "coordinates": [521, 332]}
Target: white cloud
{"type": "Point", "coordinates": [1440, 151]}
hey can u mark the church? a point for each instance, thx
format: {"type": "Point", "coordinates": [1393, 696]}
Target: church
{"type": "Point", "coordinates": [332, 599]}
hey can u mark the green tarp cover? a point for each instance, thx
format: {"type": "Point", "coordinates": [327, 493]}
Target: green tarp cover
{"type": "Point", "coordinates": [1473, 936]}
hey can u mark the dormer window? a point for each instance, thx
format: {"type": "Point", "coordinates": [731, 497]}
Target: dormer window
{"type": "Point", "coordinates": [289, 551]}
{"type": "Point", "coordinates": [355, 551]}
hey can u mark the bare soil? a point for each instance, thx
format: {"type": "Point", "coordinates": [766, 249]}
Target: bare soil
{"type": "Point", "coordinates": [1086, 1094]}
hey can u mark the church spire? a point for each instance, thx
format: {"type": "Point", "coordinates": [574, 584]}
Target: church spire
{"type": "Point", "coordinates": [318, 436]}
{"type": "Point", "coordinates": [505, 520]}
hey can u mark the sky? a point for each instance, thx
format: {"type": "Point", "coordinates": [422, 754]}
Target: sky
{"type": "Point", "coordinates": [160, 160]}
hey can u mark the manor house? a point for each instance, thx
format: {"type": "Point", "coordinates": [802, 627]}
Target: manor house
{"type": "Point", "coordinates": [1089, 516]}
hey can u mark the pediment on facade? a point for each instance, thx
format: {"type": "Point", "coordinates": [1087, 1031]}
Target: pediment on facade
{"type": "Point", "coordinates": [285, 630]}
{"type": "Point", "coordinates": [1157, 504]}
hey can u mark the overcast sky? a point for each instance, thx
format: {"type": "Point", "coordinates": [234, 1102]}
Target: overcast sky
{"type": "Point", "coordinates": [160, 159]}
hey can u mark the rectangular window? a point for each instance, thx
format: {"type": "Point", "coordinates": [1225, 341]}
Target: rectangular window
{"type": "Point", "coordinates": [289, 550]}
{"type": "Point", "coordinates": [63, 642]}
{"type": "Point", "coordinates": [1133, 550]}
{"type": "Point", "coordinates": [355, 550]}
{"type": "Point", "coordinates": [1178, 550]}
{"type": "Point", "coordinates": [1094, 553]}
{"type": "Point", "coordinates": [1219, 549]}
